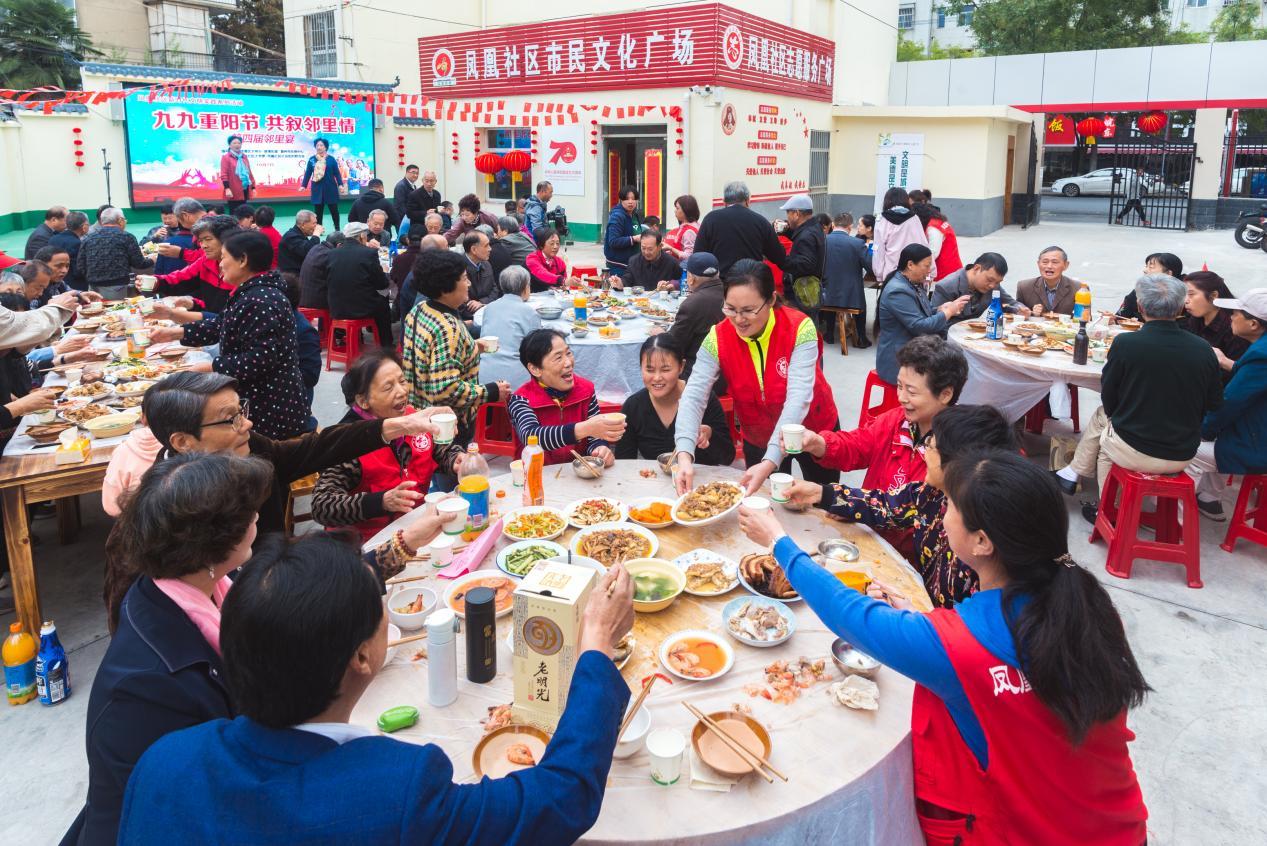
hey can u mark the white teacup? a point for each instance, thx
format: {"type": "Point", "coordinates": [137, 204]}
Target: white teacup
{"type": "Point", "coordinates": [441, 549]}
{"type": "Point", "coordinates": [780, 486]}
{"type": "Point", "coordinates": [145, 283]}
{"type": "Point", "coordinates": [448, 424]}
{"type": "Point", "coordinates": [454, 511]}
{"type": "Point", "coordinates": [793, 437]}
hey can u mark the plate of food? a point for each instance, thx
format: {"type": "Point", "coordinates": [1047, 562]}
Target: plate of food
{"type": "Point", "coordinates": [595, 510]}
{"type": "Point", "coordinates": [696, 655]}
{"type": "Point", "coordinates": [762, 575]}
{"type": "Point", "coordinates": [87, 327]}
{"type": "Point", "coordinates": [623, 312]}
{"type": "Point", "coordinates": [534, 522]}
{"type": "Point", "coordinates": [1028, 329]}
{"type": "Point", "coordinates": [975, 325]}
{"type": "Point", "coordinates": [707, 573]}
{"type": "Point", "coordinates": [601, 320]}
{"type": "Point", "coordinates": [520, 557]}
{"type": "Point", "coordinates": [707, 504]}
{"type": "Point", "coordinates": [126, 402]}
{"type": "Point", "coordinates": [80, 414]}
{"type": "Point", "coordinates": [757, 621]}
{"type": "Point", "coordinates": [89, 391]}
{"type": "Point", "coordinates": [613, 543]}
{"type": "Point", "coordinates": [508, 749]}
{"type": "Point", "coordinates": [655, 312]}
{"type": "Point", "coordinates": [654, 512]}
{"type": "Point", "coordinates": [502, 586]}
{"type": "Point", "coordinates": [133, 389]}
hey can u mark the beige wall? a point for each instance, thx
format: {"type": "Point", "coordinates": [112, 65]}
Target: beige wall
{"type": "Point", "coordinates": [116, 26]}
{"type": "Point", "coordinates": [37, 156]}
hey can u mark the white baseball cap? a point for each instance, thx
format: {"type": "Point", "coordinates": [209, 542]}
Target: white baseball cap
{"type": "Point", "coordinates": [798, 202]}
{"type": "Point", "coordinates": [1254, 302]}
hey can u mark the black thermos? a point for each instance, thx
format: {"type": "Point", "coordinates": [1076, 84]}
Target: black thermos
{"type": "Point", "coordinates": [481, 635]}
{"type": "Point", "coordinates": [1080, 344]}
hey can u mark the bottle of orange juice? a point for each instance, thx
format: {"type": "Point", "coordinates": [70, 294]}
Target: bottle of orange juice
{"type": "Point", "coordinates": [19, 665]}
{"type": "Point", "coordinates": [580, 307]}
{"type": "Point", "coordinates": [534, 459]}
{"type": "Point", "coordinates": [473, 487]}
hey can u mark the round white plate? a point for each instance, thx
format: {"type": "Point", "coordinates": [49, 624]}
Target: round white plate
{"type": "Point", "coordinates": [629, 527]}
{"type": "Point", "coordinates": [676, 637]}
{"type": "Point", "coordinates": [534, 509]}
{"type": "Point", "coordinates": [463, 581]}
{"type": "Point", "coordinates": [621, 509]}
{"type": "Point", "coordinates": [645, 502]}
{"type": "Point", "coordinates": [758, 593]}
{"type": "Point", "coordinates": [708, 521]}
{"type": "Point", "coordinates": [109, 392]}
{"type": "Point", "coordinates": [555, 550]}
{"type": "Point", "coordinates": [686, 559]}
{"type": "Point", "coordinates": [733, 607]}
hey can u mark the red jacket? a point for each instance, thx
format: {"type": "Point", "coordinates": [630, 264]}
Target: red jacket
{"type": "Point", "coordinates": [884, 448]}
{"type": "Point", "coordinates": [948, 260]}
{"type": "Point", "coordinates": [551, 412]}
{"type": "Point", "coordinates": [200, 280]}
{"type": "Point", "coordinates": [545, 271]}
{"type": "Point", "coordinates": [229, 175]}
{"type": "Point", "coordinates": [275, 238]}
{"type": "Point", "coordinates": [384, 469]}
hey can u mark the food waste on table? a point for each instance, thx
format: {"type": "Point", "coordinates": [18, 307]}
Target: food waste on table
{"type": "Point", "coordinates": [856, 692]}
{"type": "Point", "coordinates": [499, 716]}
{"type": "Point", "coordinates": [759, 622]}
{"type": "Point", "coordinates": [763, 572]}
{"type": "Point", "coordinates": [784, 680]}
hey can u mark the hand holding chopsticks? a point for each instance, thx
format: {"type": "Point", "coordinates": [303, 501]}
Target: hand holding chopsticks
{"type": "Point", "coordinates": [752, 759]}
{"type": "Point", "coordinates": [646, 688]}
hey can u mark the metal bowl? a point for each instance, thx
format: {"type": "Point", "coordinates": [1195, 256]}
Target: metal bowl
{"type": "Point", "coordinates": [838, 550]}
{"type": "Point", "coordinates": [578, 332]}
{"type": "Point", "coordinates": [665, 460]}
{"type": "Point", "coordinates": [852, 661]}
{"type": "Point", "coordinates": [586, 469]}
{"type": "Point", "coordinates": [549, 312]}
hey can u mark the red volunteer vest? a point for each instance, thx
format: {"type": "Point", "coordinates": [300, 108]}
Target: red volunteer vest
{"type": "Point", "coordinates": [551, 412]}
{"type": "Point", "coordinates": [758, 410]}
{"type": "Point", "coordinates": [381, 471]}
{"type": "Point", "coordinates": [948, 260]}
{"type": "Point", "coordinates": [1038, 789]}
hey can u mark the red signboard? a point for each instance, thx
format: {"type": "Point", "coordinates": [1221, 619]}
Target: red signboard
{"type": "Point", "coordinates": [706, 44]}
{"type": "Point", "coordinates": [1059, 130]}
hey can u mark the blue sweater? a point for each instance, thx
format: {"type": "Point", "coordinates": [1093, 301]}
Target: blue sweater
{"type": "Point", "coordinates": [1240, 424]}
{"type": "Point", "coordinates": [235, 781]}
{"type": "Point", "coordinates": [620, 243]}
{"type": "Point", "coordinates": [904, 640]}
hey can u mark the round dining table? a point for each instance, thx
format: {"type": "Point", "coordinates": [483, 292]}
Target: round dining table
{"type": "Point", "coordinates": [610, 363]}
{"type": "Point", "coordinates": [850, 772]}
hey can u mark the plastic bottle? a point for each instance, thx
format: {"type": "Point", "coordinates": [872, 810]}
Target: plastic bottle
{"type": "Point", "coordinates": [534, 459]}
{"type": "Point", "coordinates": [1081, 344]}
{"type": "Point", "coordinates": [442, 658]}
{"type": "Point", "coordinates": [682, 286]}
{"type": "Point", "coordinates": [580, 307]}
{"type": "Point", "coordinates": [19, 665]}
{"type": "Point", "coordinates": [994, 326]}
{"type": "Point", "coordinates": [392, 249]}
{"type": "Point", "coordinates": [52, 672]}
{"type": "Point", "coordinates": [473, 487]}
{"type": "Point", "coordinates": [1082, 303]}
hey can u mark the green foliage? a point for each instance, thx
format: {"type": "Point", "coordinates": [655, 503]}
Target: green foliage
{"type": "Point", "coordinates": [41, 45]}
{"type": "Point", "coordinates": [913, 51]}
{"type": "Point", "coordinates": [1007, 27]}
{"type": "Point", "coordinates": [1239, 22]}
{"type": "Point", "coordinates": [258, 22]}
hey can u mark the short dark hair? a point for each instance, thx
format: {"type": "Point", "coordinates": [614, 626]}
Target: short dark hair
{"type": "Point", "coordinates": [991, 261]}
{"type": "Point", "coordinates": [374, 183]}
{"type": "Point", "coordinates": [176, 404]}
{"type": "Point", "coordinates": [320, 140]}
{"type": "Point", "coordinates": [244, 211]}
{"type": "Point", "coordinates": [689, 206]}
{"type": "Point", "coordinates": [55, 213]}
{"type": "Point", "coordinates": [32, 269]}
{"type": "Point", "coordinates": [472, 240]}
{"type": "Point", "coordinates": [232, 138]}
{"type": "Point", "coordinates": [436, 272]}
{"type": "Point", "coordinates": [167, 208]}
{"type": "Point", "coordinates": [542, 185]}
{"type": "Point", "coordinates": [961, 429]}
{"type": "Point", "coordinates": [867, 220]}
{"type": "Point", "coordinates": [510, 206]}
{"type": "Point", "coordinates": [469, 202]}
{"type": "Point", "coordinates": [75, 220]}
{"type": "Point", "coordinates": [264, 216]}
{"type": "Point", "coordinates": [750, 272]}
{"type": "Point", "coordinates": [542, 234]}
{"type": "Point", "coordinates": [220, 226]}
{"type": "Point", "coordinates": [912, 254]}
{"type": "Point", "coordinates": [626, 190]}
{"type": "Point", "coordinates": [665, 343]}
{"type": "Point", "coordinates": [1171, 262]}
{"type": "Point", "coordinates": [537, 344]}
{"type": "Point", "coordinates": [651, 233]}
{"type": "Point", "coordinates": [360, 376]}
{"type": "Point", "coordinates": [291, 624]}
{"type": "Point", "coordinates": [410, 167]}
{"type": "Point", "coordinates": [46, 253]}
{"type": "Point", "coordinates": [253, 246]}
{"type": "Point", "coordinates": [844, 220]}
{"type": "Point", "coordinates": [941, 363]}
{"type": "Point", "coordinates": [895, 196]}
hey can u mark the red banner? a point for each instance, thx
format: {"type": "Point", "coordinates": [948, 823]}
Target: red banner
{"type": "Point", "coordinates": [707, 44]}
{"type": "Point", "coordinates": [1059, 130]}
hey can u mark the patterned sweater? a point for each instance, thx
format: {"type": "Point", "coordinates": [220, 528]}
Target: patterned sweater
{"type": "Point", "coordinates": [442, 363]}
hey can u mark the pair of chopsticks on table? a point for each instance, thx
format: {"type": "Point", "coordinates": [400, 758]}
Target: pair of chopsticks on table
{"type": "Point", "coordinates": [409, 639]}
{"type": "Point", "coordinates": [758, 763]}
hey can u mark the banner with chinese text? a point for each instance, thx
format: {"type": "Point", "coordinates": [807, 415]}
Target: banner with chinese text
{"type": "Point", "coordinates": [899, 163]}
{"type": "Point", "coordinates": [563, 159]}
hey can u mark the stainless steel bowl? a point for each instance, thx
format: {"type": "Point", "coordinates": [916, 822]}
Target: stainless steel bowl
{"type": "Point", "coordinates": [838, 550]}
{"type": "Point", "coordinates": [851, 661]}
{"type": "Point", "coordinates": [665, 460]}
{"type": "Point", "coordinates": [549, 312]}
{"type": "Point", "coordinates": [586, 469]}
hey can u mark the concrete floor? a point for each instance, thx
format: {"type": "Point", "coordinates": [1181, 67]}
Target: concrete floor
{"type": "Point", "coordinates": [1201, 736]}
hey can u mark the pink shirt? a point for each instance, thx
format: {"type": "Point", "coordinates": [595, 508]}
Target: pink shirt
{"type": "Point", "coordinates": [202, 610]}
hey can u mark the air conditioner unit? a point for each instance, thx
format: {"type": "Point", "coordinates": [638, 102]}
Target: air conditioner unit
{"type": "Point", "coordinates": [116, 106]}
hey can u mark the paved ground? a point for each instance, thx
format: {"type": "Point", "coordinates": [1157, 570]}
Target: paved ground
{"type": "Point", "coordinates": [1201, 740]}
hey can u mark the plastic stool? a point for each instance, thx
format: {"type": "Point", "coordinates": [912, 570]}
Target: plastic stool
{"type": "Point", "coordinates": [1119, 524]}
{"type": "Point", "coordinates": [727, 403]}
{"type": "Point", "coordinates": [493, 432]}
{"type": "Point", "coordinates": [1245, 519]}
{"type": "Point", "coordinates": [1038, 415]}
{"type": "Point", "coordinates": [888, 399]}
{"type": "Point", "coordinates": [351, 339]}
{"type": "Point", "coordinates": [321, 318]}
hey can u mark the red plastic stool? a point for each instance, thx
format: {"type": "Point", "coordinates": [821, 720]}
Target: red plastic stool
{"type": "Point", "coordinates": [321, 318]}
{"type": "Point", "coordinates": [351, 339]}
{"type": "Point", "coordinates": [888, 399]}
{"type": "Point", "coordinates": [1037, 416]}
{"type": "Point", "coordinates": [493, 432]}
{"type": "Point", "coordinates": [1119, 524]}
{"type": "Point", "coordinates": [1245, 519]}
{"type": "Point", "coordinates": [727, 403]}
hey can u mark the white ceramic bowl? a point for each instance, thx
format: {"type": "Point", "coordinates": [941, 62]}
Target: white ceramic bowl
{"type": "Point", "coordinates": [393, 633]}
{"type": "Point", "coordinates": [698, 634]}
{"type": "Point", "coordinates": [707, 521]}
{"type": "Point", "coordinates": [635, 737]}
{"type": "Point", "coordinates": [401, 598]}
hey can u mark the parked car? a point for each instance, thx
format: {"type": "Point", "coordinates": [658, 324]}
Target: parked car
{"type": "Point", "coordinates": [1101, 182]}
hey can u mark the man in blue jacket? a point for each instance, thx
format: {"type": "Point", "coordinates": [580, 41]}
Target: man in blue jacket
{"type": "Point", "coordinates": [303, 634]}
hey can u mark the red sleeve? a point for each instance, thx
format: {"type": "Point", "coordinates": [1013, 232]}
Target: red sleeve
{"type": "Point", "coordinates": [189, 271]}
{"type": "Point", "coordinates": [192, 254]}
{"type": "Point", "coordinates": [854, 450]}
{"type": "Point", "coordinates": [225, 170]}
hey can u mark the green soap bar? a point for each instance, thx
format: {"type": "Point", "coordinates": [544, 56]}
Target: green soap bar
{"type": "Point", "coordinates": [395, 719]}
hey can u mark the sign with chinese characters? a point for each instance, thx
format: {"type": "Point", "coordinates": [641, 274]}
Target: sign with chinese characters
{"type": "Point", "coordinates": [1059, 130]}
{"type": "Point", "coordinates": [899, 163]}
{"type": "Point", "coordinates": [705, 44]}
{"type": "Point", "coordinates": [562, 158]}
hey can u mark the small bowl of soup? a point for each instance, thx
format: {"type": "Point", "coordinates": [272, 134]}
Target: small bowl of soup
{"type": "Point", "coordinates": [656, 583]}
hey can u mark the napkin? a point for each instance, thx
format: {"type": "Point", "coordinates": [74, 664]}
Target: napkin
{"type": "Point", "coordinates": [704, 777]}
{"type": "Point", "coordinates": [1058, 399]}
{"type": "Point", "coordinates": [856, 692]}
{"type": "Point", "coordinates": [471, 558]}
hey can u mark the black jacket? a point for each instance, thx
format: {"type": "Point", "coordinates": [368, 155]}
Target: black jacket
{"type": "Point", "coordinates": [356, 277]}
{"type": "Point", "coordinates": [293, 248]}
{"type": "Point", "coordinates": [368, 202]}
{"type": "Point", "coordinates": [650, 274]}
{"type": "Point", "coordinates": [483, 286]}
{"type": "Point", "coordinates": [69, 241]}
{"type": "Point", "coordinates": [314, 277]}
{"type": "Point", "coordinates": [806, 256]}
{"type": "Point", "coordinates": [418, 203]}
{"type": "Point", "coordinates": [400, 196]}
{"type": "Point", "coordinates": [736, 232]}
{"type": "Point", "coordinates": [37, 240]}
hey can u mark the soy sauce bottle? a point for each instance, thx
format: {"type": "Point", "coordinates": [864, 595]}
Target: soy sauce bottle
{"type": "Point", "coordinates": [1081, 343]}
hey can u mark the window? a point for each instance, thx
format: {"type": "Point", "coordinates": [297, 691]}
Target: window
{"type": "Point", "coordinates": [819, 145]}
{"type": "Point", "coordinates": [941, 18]}
{"type": "Point", "coordinates": [1196, 3]}
{"type": "Point", "coordinates": [504, 185]}
{"type": "Point", "coordinates": [320, 45]}
{"type": "Point", "coordinates": [906, 17]}
{"type": "Point", "coordinates": [965, 15]}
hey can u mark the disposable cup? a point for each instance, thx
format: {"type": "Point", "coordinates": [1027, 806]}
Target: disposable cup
{"type": "Point", "coordinates": [441, 549]}
{"type": "Point", "coordinates": [517, 473]}
{"type": "Point", "coordinates": [432, 499]}
{"type": "Point", "coordinates": [454, 512]}
{"type": "Point", "coordinates": [491, 343]}
{"type": "Point", "coordinates": [1099, 354]}
{"type": "Point", "coordinates": [793, 437]}
{"type": "Point", "coordinates": [665, 748]}
{"type": "Point", "coordinates": [780, 486]}
{"type": "Point", "coordinates": [755, 504]}
{"type": "Point", "coordinates": [448, 424]}
{"type": "Point", "coordinates": [145, 283]}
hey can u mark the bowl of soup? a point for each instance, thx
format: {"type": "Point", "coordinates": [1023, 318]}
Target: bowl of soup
{"type": "Point", "coordinates": [656, 583]}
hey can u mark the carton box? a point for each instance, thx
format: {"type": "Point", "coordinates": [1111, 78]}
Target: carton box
{"type": "Point", "coordinates": [547, 623]}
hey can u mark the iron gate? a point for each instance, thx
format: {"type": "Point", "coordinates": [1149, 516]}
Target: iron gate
{"type": "Point", "coordinates": [1151, 183]}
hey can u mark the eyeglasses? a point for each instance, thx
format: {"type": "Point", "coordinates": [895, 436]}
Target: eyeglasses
{"type": "Point", "coordinates": [237, 421]}
{"type": "Point", "coordinates": [745, 313]}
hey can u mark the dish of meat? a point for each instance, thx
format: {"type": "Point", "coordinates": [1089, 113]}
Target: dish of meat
{"type": "Point", "coordinates": [762, 575]}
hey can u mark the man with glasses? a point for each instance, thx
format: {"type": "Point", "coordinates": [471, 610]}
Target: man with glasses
{"type": "Point", "coordinates": [201, 412]}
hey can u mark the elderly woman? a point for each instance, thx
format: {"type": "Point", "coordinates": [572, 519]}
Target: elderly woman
{"type": "Point", "coordinates": [904, 310]}
{"type": "Point", "coordinates": [256, 334]}
{"type": "Point", "coordinates": [369, 492]}
{"type": "Point", "coordinates": [546, 266]}
{"type": "Point", "coordinates": [1206, 320]}
{"type": "Point", "coordinates": [559, 407]}
{"type": "Point", "coordinates": [510, 319]}
{"type": "Point", "coordinates": [322, 174]}
{"type": "Point", "coordinates": [896, 228]}
{"type": "Point", "coordinates": [202, 279]}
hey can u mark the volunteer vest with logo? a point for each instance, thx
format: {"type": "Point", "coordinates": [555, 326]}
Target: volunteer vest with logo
{"type": "Point", "coordinates": [756, 408]}
{"type": "Point", "coordinates": [1038, 788]}
{"type": "Point", "coordinates": [382, 470]}
{"type": "Point", "coordinates": [552, 412]}
{"type": "Point", "coordinates": [948, 260]}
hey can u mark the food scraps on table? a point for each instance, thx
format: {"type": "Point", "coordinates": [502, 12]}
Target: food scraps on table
{"type": "Point", "coordinates": [519, 753]}
{"type": "Point", "coordinates": [656, 512]}
{"type": "Point", "coordinates": [765, 575]}
{"type": "Point", "coordinates": [696, 658]}
{"type": "Point", "coordinates": [622, 650]}
{"type": "Point", "coordinates": [708, 577]}
{"type": "Point", "coordinates": [590, 512]}
{"type": "Point", "coordinates": [614, 546]}
{"type": "Point", "coordinates": [856, 692]}
{"type": "Point", "coordinates": [522, 560]}
{"type": "Point", "coordinates": [784, 680]}
{"type": "Point", "coordinates": [760, 622]}
{"type": "Point", "coordinates": [414, 607]}
{"type": "Point", "coordinates": [420, 654]}
{"type": "Point", "coordinates": [709, 500]}
{"type": "Point", "coordinates": [535, 525]}
{"type": "Point", "coordinates": [646, 474]}
{"type": "Point", "coordinates": [502, 587]}
{"type": "Point", "coordinates": [499, 716]}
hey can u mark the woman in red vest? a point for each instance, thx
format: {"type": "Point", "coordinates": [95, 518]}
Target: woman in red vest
{"type": "Point", "coordinates": [558, 406]}
{"type": "Point", "coordinates": [1019, 717]}
{"type": "Point", "coordinates": [941, 240]}
{"type": "Point", "coordinates": [768, 354]}
{"type": "Point", "coordinates": [376, 488]}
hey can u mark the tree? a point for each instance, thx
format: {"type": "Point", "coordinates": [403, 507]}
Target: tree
{"type": "Point", "coordinates": [1007, 27]}
{"type": "Point", "coordinates": [912, 51]}
{"type": "Point", "coordinates": [254, 25]}
{"type": "Point", "coordinates": [1239, 22]}
{"type": "Point", "coordinates": [42, 45]}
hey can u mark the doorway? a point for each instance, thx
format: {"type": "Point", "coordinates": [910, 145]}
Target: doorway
{"type": "Point", "coordinates": [1009, 175]}
{"type": "Point", "coordinates": [636, 155]}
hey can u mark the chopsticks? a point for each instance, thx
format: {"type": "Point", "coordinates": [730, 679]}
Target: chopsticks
{"type": "Point", "coordinates": [409, 639]}
{"type": "Point", "coordinates": [399, 580]}
{"type": "Point", "coordinates": [646, 688]}
{"type": "Point", "coordinates": [753, 760]}
{"type": "Point", "coordinates": [596, 469]}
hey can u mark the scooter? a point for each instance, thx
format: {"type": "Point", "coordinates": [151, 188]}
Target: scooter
{"type": "Point", "coordinates": [1250, 227]}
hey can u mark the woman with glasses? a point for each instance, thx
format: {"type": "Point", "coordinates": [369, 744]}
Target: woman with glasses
{"type": "Point", "coordinates": [256, 333]}
{"type": "Point", "coordinates": [768, 354]}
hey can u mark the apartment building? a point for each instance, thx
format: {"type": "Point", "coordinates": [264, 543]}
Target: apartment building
{"type": "Point", "coordinates": [152, 32]}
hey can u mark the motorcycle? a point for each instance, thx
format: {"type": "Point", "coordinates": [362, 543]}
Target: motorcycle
{"type": "Point", "coordinates": [1250, 227]}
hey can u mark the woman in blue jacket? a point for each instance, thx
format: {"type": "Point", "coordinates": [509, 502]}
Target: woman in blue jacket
{"type": "Point", "coordinates": [621, 241]}
{"type": "Point", "coordinates": [323, 179]}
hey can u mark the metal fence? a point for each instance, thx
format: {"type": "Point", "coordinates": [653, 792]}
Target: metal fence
{"type": "Point", "coordinates": [1152, 181]}
{"type": "Point", "coordinates": [1244, 171]}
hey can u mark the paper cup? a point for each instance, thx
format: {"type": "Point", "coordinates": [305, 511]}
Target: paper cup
{"type": "Point", "coordinates": [615, 417]}
{"type": "Point", "coordinates": [448, 424]}
{"type": "Point", "coordinates": [454, 511]}
{"type": "Point", "coordinates": [780, 486]}
{"type": "Point", "coordinates": [433, 499]}
{"type": "Point", "coordinates": [517, 473]}
{"type": "Point", "coordinates": [665, 748]}
{"type": "Point", "coordinates": [793, 436]}
{"type": "Point", "coordinates": [491, 343]}
{"type": "Point", "coordinates": [755, 504]}
{"type": "Point", "coordinates": [1014, 338]}
{"type": "Point", "coordinates": [74, 374]}
{"type": "Point", "coordinates": [441, 550]}
{"type": "Point", "coordinates": [1099, 354]}
{"type": "Point", "coordinates": [146, 284]}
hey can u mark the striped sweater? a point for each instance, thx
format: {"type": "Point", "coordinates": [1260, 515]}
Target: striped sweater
{"type": "Point", "coordinates": [442, 363]}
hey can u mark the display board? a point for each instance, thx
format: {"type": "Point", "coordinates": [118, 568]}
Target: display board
{"type": "Point", "coordinates": [175, 142]}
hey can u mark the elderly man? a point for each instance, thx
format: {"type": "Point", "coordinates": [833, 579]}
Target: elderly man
{"type": "Point", "coordinates": [476, 248]}
{"type": "Point", "coordinates": [358, 285]}
{"type": "Point", "coordinates": [535, 207]}
{"type": "Point", "coordinates": [511, 247]}
{"type": "Point", "coordinates": [423, 201]}
{"type": "Point", "coordinates": [58, 261]}
{"type": "Point", "coordinates": [652, 268]}
{"type": "Point", "coordinates": [1158, 385]}
{"type": "Point", "coordinates": [433, 224]}
{"type": "Point", "coordinates": [379, 235]}
{"type": "Point", "coordinates": [180, 248]}
{"type": "Point", "coordinates": [373, 200]}
{"type": "Point", "coordinates": [803, 267]}
{"type": "Point", "coordinates": [408, 293]}
{"type": "Point", "coordinates": [69, 240]}
{"type": "Point", "coordinates": [736, 232]}
{"type": "Point", "coordinates": [1051, 291]}
{"type": "Point", "coordinates": [297, 241]}
{"type": "Point", "coordinates": [54, 222]}
{"type": "Point", "coordinates": [978, 281]}
{"type": "Point", "coordinates": [314, 273]}
{"type": "Point", "coordinates": [845, 262]}
{"type": "Point", "coordinates": [36, 276]}
{"type": "Point", "coordinates": [107, 256]}
{"type": "Point", "coordinates": [699, 312]}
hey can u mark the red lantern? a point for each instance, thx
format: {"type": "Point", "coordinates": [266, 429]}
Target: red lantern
{"type": "Point", "coordinates": [489, 164]}
{"type": "Point", "coordinates": [79, 164]}
{"type": "Point", "coordinates": [1090, 127]}
{"type": "Point", "coordinates": [516, 161]}
{"type": "Point", "coordinates": [76, 130]}
{"type": "Point", "coordinates": [1151, 122]}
